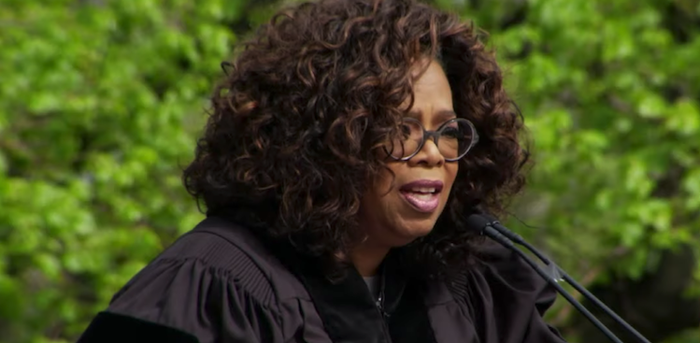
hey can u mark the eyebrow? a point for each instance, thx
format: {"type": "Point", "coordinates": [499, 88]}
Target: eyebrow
{"type": "Point", "coordinates": [442, 114]}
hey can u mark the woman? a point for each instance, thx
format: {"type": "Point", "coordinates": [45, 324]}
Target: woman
{"type": "Point", "coordinates": [345, 149]}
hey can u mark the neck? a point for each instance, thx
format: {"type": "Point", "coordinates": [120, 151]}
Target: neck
{"type": "Point", "coordinates": [367, 258]}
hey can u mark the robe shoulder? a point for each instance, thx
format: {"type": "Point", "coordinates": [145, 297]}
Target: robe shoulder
{"type": "Point", "coordinates": [209, 288]}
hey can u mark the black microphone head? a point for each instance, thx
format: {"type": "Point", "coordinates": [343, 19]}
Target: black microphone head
{"type": "Point", "coordinates": [483, 226]}
{"type": "Point", "coordinates": [490, 218]}
{"type": "Point", "coordinates": [477, 222]}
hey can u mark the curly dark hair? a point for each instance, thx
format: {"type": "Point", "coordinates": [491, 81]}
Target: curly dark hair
{"type": "Point", "coordinates": [298, 122]}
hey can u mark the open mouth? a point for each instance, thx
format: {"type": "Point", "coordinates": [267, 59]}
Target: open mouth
{"type": "Point", "coordinates": [422, 195]}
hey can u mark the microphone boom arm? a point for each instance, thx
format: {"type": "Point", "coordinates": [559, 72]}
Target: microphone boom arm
{"type": "Point", "coordinates": [561, 274]}
{"type": "Point", "coordinates": [500, 238]}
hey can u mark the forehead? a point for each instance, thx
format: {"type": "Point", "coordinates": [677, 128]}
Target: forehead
{"type": "Point", "coordinates": [432, 94]}
{"type": "Point", "coordinates": [428, 75]}
{"type": "Point", "coordinates": [430, 83]}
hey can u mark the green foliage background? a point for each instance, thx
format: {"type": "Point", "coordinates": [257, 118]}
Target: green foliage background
{"type": "Point", "coordinates": [101, 100]}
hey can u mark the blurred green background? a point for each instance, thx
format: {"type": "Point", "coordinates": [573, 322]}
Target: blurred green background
{"type": "Point", "coordinates": [101, 101]}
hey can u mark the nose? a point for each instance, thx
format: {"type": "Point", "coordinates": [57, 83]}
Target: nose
{"type": "Point", "coordinates": [429, 155]}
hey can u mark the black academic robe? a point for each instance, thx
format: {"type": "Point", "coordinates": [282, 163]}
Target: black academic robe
{"type": "Point", "coordinates": [219, 283]}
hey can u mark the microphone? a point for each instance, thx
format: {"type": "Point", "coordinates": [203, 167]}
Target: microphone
{"type": "Point", "coordinates": [489, 226]}
{"type": "Point", "coordinates": [560, 274]}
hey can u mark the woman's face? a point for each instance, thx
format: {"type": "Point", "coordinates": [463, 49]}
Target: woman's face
{"type": "Point", "coordinates": [396, 214]}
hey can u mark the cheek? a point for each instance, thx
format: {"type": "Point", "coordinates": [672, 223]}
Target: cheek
{"type": "Point", "coordinates": [450, 176]}
{"type": "Point", "coordinates": [384, 182]}
{"type": "Point", "coordinates": [451, 173]}
{"type": "Point", "coordinates": [380, 189]}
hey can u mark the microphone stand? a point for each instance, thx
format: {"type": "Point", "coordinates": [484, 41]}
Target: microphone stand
{"type": "Point", "coordinates": [560, 274]}
{"type": "Point", "coordinates": [500, 238]}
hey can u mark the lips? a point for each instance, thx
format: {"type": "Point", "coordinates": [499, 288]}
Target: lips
{"type": "Point", "coordinates": [422, 195]}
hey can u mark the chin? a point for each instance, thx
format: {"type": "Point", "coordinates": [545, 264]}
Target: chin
{"type": "Point", "coordinates": [411, 232]}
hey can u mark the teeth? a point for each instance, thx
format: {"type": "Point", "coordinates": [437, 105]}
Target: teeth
{"type": "Point", "coordinates": [423, 190]}
{"type": "Point", "coordinates": [424, 197]}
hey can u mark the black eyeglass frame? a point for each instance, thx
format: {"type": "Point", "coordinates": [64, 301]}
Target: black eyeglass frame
{"type": "Point", "coordinates": [435, 136]}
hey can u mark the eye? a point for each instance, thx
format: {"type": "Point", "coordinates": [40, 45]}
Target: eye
{"type": "Point", "coordinates": [452, 132]}
{"type": "Point", "coordinates": [405, 131]}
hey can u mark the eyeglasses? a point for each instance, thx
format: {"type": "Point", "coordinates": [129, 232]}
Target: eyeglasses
{"type": "Point", "coordinates": [453, 139]}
